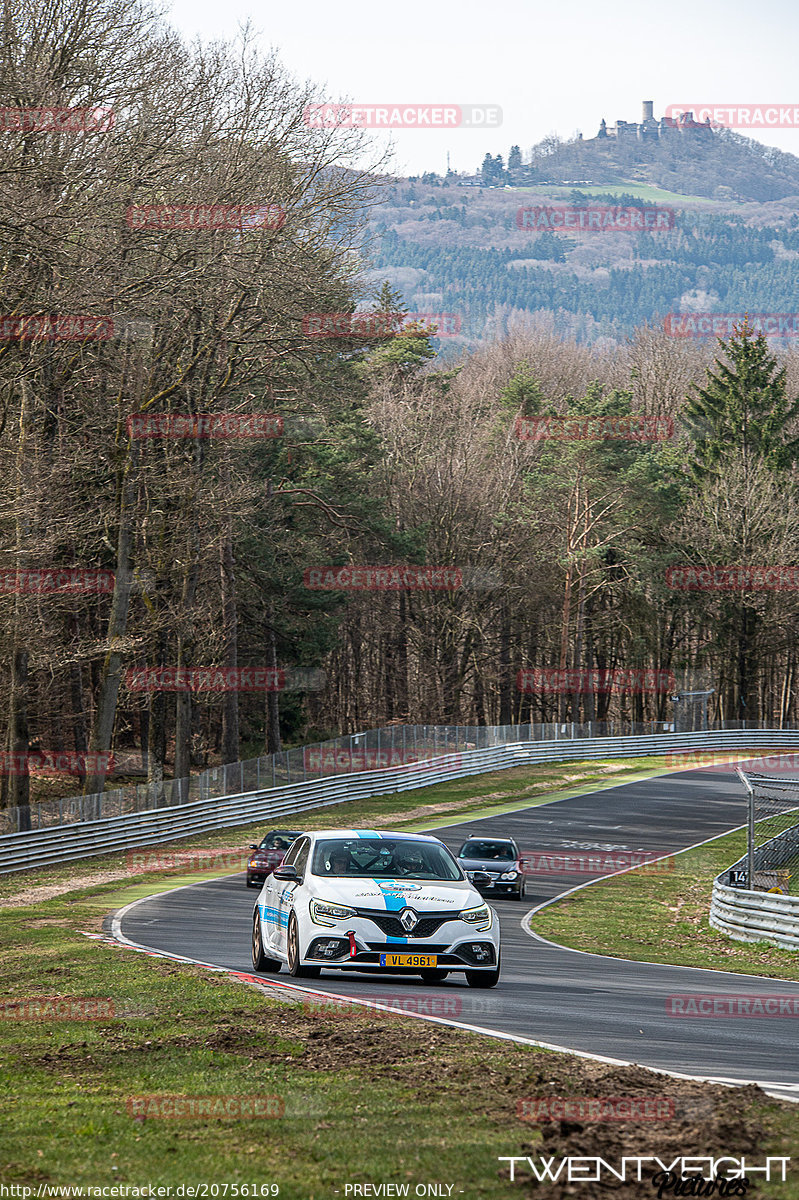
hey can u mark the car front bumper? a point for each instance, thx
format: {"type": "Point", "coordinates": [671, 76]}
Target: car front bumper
{"type": "Point", "coordinates": [456, 945]}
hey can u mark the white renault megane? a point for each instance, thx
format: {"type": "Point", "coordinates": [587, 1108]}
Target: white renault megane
{"type": "Point", "coordinates": [363, 900]}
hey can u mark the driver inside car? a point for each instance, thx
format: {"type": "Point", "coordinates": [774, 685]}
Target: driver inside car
{"type": "Point", "coordinates": [407, 862]}
{"type": "Point", "coordinates": [339, 861]}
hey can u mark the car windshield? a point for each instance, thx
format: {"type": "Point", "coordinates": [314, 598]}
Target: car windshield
{"type": "Point", "coordinates": [365, 858]}
{"type": "Point", "coordinates": [501, 851]}
{"type": "Point", "coordinates": [280, 840]}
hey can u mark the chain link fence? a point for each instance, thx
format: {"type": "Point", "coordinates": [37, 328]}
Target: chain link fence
{"type": "Point", "coordinates": [772, 860]}
{"type": "Point", "coordinates": [375, 749]}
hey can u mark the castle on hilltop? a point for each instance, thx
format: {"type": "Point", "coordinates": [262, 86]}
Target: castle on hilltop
{"type": "Point", "coordinates": [650, 128]}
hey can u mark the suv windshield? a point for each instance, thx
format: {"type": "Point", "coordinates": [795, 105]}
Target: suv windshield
{"type": "Point", "coordinates": [501, 851]}
{"type": "Point", "coordinates": [363, 858]}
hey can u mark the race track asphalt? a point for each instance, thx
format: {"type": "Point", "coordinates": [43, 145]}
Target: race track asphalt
{"type": "Point", "coordinates": [584, 1002]}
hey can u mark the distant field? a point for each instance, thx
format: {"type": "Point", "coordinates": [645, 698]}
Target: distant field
{"type": "Point", "coordinates": [642, 191]}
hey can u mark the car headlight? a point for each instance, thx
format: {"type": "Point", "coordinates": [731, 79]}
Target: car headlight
{"type": "Point", "coordinates": [509, 875]}
{"type": "Point", "coordinates": [480, 916]}
{"type": "Point", "coordinates": [326, 912]}
{"type": "Point", "coordinates": [253, 863]}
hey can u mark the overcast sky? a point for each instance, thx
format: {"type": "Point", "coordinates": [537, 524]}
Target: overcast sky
{"type": "Point", "coordinates": [552, 67]}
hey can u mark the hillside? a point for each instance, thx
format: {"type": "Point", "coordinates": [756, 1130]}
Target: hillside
{"type": "Point", "coordinates": [720, 165]}
{"type": "Point", "coordinates": [455, 247]}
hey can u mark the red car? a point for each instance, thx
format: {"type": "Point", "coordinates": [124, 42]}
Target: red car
{"type": "Point", "coordinates": [268, 855]}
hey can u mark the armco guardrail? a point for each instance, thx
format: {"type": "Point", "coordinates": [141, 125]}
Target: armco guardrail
{"type": "Point", "coordinates": [759, 916]}
{"type": "Point", "coordinates": [83, 839]}
{"type": "Point", "coordinates": [755, 916]}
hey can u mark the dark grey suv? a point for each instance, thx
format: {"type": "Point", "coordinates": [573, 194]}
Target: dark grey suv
{"type": "Point", "coordinates": [500, 859]}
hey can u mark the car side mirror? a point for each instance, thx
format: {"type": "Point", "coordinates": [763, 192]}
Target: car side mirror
{"type": "Point", "coordinates": [480, 878]}
{"type": "Point", "coordinates": [289, 873]}
{"type": "Point", "coordinates": [253, 846]}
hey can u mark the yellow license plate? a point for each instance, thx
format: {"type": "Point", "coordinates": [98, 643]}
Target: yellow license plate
{"type": "Point", "coordinates": [408, 960]}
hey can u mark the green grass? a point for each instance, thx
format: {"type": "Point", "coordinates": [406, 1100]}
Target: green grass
{"type": "Point", "coordinates": [663, 917]}
{"type": "Point", "coordinates": [364, 1098]}
{"type": "Point", "coordinates": [642, 191]}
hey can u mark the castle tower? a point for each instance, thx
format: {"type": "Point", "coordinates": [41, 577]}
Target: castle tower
{"type": "Point", "coordinates": [649, 108]}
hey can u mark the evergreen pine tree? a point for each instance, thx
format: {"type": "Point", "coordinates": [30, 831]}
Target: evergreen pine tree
{"type": "Point", "coordinates": [743, 409]}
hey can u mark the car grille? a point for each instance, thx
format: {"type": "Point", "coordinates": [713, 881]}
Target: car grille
{"type": "Point", "coordinates": [393, 948]}
{"type": "Point", "coordinates": [390, 925]}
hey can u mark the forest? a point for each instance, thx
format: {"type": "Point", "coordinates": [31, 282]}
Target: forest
{"type": "Point", "coordinates": [222, 536]}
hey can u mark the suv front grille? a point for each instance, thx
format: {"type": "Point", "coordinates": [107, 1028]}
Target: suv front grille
{"type": "Point", "coordinates": [391, 926]}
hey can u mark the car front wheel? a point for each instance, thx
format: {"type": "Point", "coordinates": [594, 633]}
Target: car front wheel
{"type": "Point", "coordinates": [293, 948]}
{"type": "Point", "coordinates": [259, 960]}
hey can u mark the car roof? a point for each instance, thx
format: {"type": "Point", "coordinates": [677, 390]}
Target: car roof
{"type": "Point", "coordinates": [494, 841]}
{"type": "Point", "coordinates": [372, 834]}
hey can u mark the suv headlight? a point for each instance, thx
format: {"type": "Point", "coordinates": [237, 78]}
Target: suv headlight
{"type": "Point", "coordinates": [480, 917]}
{"type": "Point", "coordinates": [327, 912]}
{"type": "Point", "coordinates": [509, 875]}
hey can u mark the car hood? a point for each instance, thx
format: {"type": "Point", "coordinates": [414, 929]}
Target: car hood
{"type": "Point", "coordinates": [488, 864]}
{"type": "Point", "coordinates": [396, 894]}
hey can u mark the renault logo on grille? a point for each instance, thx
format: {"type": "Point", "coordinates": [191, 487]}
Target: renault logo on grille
{"type": "Point", "coordinates": [408, 919]}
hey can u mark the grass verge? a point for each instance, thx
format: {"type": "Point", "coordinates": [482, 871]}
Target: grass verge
{"type": "Point", "coordinates": [662, 917]}
{"type": "Point", "coordinates": [362, 1098]}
